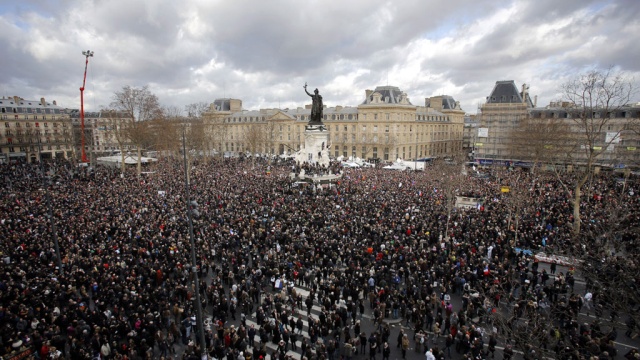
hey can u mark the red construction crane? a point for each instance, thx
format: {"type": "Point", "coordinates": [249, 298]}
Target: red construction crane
{"type": "Point", "coordinates": [87, 54]}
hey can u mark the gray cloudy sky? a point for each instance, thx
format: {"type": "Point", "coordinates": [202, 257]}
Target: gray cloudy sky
{"type": "Point", "coordinates": [262, 52]}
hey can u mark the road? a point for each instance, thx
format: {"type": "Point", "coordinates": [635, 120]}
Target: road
{"type": "Point", "coordinates": [623, 343]}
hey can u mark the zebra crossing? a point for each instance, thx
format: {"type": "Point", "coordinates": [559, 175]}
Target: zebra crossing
{"type": "Point", "coordinates": [299, 313]}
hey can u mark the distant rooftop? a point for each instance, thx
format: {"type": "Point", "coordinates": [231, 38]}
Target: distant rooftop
{"type": "Point", "coordinates": [506, 92]}
{"type": "Point", "coordinates": [388, 95]}
{"type": "Point", "coordinates": [16, 104]}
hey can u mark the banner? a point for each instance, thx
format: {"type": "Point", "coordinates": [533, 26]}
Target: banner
{"type": "Point", "coordinates": [612, 138]}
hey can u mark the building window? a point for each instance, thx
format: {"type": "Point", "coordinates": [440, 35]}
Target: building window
{"type": "Point", "coordinates": [375, 116]}
{"type": "Point", "coordinates": [353, 151]}
{"type": "Point", "coordinates": [375, 153]}
{"type": "Point", "coordinates": [386, 153]}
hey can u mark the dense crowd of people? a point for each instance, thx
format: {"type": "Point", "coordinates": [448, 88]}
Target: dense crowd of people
{"type": "Point", "coordinates": [376, 241]}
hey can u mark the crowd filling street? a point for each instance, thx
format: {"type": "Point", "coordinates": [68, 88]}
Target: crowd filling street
{"type": "Point", "coordinates": [295, 270]}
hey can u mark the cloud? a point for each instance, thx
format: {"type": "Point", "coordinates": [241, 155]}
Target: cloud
{"type": "Point", "coordinates": [264, 51]}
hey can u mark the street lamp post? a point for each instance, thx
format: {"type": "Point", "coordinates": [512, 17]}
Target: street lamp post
{"type": "Point", "coordinates": [87, 54]}
{"type": "Point", "coordinates": [199, 320]}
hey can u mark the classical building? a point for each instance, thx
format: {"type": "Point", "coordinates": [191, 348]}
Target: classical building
{"type": "Point", "coordinates": [470, 133]}
{"type": "Point", "coordinates": [502, 112]}
{"type": "Point", "coordinates": [500, 137]}
{"type": "Point", "coordinates": [34, 130]}
{"type": "Point", "coordinates": [100, 129]}
{"type": "Point", "coordinates": [615, 138]}
{"type": "Point", "coordinates": [385, 126]}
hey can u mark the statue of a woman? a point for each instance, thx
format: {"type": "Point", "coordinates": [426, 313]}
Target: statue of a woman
{"type": "Point", "coordinates": [316, 107]}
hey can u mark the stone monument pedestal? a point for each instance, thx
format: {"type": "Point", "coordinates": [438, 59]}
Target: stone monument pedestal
{"type": "Point", "coordinates": [316, 139]}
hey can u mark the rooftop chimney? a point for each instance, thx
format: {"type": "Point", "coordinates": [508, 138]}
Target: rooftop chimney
{"type": "Point", "coordinates": [42, 102]}
{"type": "Point", "coordinates": [54, 102]}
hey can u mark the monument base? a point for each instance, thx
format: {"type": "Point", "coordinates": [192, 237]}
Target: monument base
{"type": "Point", "coordinates": [315, 151]}
{"type": "Point", "coordinates": [319, 127]}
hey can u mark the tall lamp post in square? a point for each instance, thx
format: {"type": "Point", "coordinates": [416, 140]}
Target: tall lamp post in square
{"type": "Point", "coordinates": [87, 54]}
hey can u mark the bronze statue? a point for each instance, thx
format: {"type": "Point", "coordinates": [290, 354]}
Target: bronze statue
{"type": "Point", "coordinates": [316, 107]}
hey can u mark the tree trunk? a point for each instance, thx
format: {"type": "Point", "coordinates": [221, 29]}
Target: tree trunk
{"type": "Point", "coordinates": [122, 166]}
{"type": "Point", "coordinates": [576, 210]}
{"type": "Point", "coordinates": [139, 152]}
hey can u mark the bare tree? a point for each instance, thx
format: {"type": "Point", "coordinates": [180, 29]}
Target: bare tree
{"type": "Point", "coordinates": [167, 131]}
{"type": "Point", "coordinates": [200, 137]}
{"type": "Point", "coordinates": [592, 99]}
{"type": "Point", "coordinates": [254, 139]}
{"type": "Point", "coordinates": [140, 106]}
{"type": "Point", "coordinates": [536, 140]}
{"type": "Point", "coordinates": [116, 128]}
{"type": "Point", "coordinates": [451, 183]}
{"type": "Point", "coordinates": [270, 135]}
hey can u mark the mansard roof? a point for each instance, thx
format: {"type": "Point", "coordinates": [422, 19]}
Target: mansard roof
{"type": "Point", "coordinates": [506, 92]}
{"type": "Point", "coordinates": [389, 95]}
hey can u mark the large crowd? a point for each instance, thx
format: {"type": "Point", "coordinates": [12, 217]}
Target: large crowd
{"type": "Point", "coordinates": [379, 241]}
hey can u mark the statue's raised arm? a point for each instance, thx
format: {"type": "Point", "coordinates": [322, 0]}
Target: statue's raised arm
{"type": "Point", "coordinates": [305, 90]}
{"type": "Point", "coordinates": [316, 107]}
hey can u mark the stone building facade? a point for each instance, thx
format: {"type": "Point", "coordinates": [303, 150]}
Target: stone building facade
{"type": "Point", "coordinates": [613, 141]}
{"type": "Point", "coordinates": [385, 126]}
{"type": "Point", "coordinates": [33, 130]}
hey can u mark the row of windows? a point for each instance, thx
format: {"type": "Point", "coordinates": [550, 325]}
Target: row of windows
{"type": "Point", "coordinates": [37, 124]}
{"type": "Point", "coordinates": [12, 149]}
{"type": "Point", "coordinates": [20, 110]}
{"type": "Point", "coordinates": [334, 117]}
{"type": "Point", "coordinates": [28, 124]}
